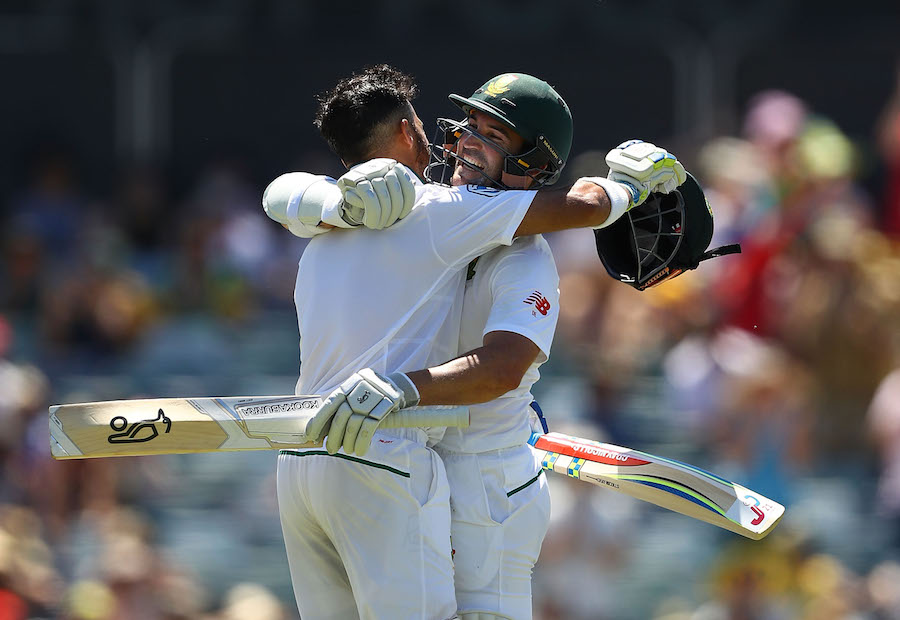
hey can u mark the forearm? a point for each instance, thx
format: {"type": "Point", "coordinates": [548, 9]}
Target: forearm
{"type": "Point", "coordinates": [479, 376]}
{"type": "Point", "coordinates": [466, 380]}
{"type": "Point", "coordinates": [636, 169]}
{"type": "Point", "coordinates": [584, 204]}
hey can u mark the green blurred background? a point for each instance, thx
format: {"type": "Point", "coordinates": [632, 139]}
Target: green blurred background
{"type": "Point", "coordinates": [136, 139]}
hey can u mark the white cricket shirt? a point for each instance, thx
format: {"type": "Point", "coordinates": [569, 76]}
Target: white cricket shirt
{"type": "Point", "coordinates": [514, 289]}
{"type": "Point", "coordinates": [391, 299]}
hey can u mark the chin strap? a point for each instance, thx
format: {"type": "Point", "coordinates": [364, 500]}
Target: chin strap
{"type": "Point", "coordinates": [732, 248]}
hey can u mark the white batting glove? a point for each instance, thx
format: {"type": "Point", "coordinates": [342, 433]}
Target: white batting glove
{"type": "Point", "coordinates": [377, 193]}
{"type": "Point", "coordinates": [644, 168]}
{"type": "Point", "coordinates": [351, 414]}
{"type": "Point", "coordinates": [298, 201]}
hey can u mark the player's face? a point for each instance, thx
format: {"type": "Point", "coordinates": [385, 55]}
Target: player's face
{"type": "Point", "coordinates": [481, 154]}
{"type": "Point", "coordinates": [420, 143]}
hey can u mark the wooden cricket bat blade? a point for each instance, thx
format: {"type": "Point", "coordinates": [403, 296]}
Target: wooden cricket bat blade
{"type": "Point", "coordinates": [207, 424]}
{"type": "Point", "coordinates": [671, 484]}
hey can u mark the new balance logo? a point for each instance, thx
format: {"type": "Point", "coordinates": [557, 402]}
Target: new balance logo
{"type": "Point", "coordinates": [539, 301]}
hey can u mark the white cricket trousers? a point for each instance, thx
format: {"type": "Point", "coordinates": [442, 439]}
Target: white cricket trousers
{"type": "Point", "coordinates": [368, 537]}
{"type": "Point", "coordinates": [500, 508]}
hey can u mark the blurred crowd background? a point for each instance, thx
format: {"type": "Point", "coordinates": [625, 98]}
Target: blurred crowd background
{"type": "Point", "coordinates": [135, 260]}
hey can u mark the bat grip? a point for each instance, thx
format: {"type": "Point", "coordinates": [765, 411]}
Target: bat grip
{"type": "Point", "coordinates": [428, 416]}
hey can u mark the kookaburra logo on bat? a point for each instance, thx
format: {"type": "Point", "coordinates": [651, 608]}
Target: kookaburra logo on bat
{"type": "Point", "coordinates": [137, 432]}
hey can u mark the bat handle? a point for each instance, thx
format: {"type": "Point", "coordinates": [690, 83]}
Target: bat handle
{"type": "Point", "coordinates": [428, 416]}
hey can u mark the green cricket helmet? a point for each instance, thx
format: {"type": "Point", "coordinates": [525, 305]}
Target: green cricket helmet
{"type": "Point", "coordinates": [661, 238]}
{"type": "Point", "coordinates": [527, 105]}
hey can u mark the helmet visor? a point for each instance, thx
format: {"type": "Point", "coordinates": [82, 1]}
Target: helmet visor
{"type": "Point", "coordinates": [639, 248]}
{"type": "Point", "coordinates": [444, 158]}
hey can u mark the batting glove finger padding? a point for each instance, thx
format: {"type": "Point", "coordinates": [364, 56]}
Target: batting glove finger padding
{"type": "Point", "coordinates": [364, 438]}
{"type": "Point", "coordinates": [338, 428]}
{"type": "Point", "coordinates": [396, 198]}
{"type": "Point", "coordinates": [382, 189]}
{"type": "Point", "coordinates": [351, 432]}
{"type": "Point", "coordinates": [318, 426]}
{"type": "Point", "coordinates": [361, 429]}
{"type": "Point", "coordinates": [407, 189]}
{"type": "Point", "coordinates": [644, 168]}
{"type": "Point", "coordinates": [672, 184]}
{"type": "Point", "coordinates": [353, 208]}
{"type": "Point", "coordinates": [376, 203]}
{"type": "Point", "coordinates": [371, 204]}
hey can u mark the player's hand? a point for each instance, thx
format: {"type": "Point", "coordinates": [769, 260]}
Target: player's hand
{"type": "Point", "coordinates": [377, 193]}
{"type": "Point", "coordinates": [351, 414]}
{"type": "Point", "coordinates": [644, 168]}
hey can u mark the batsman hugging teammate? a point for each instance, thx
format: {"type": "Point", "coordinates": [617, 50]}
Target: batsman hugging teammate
{"type": "Point", "coordinates": [367, 521]}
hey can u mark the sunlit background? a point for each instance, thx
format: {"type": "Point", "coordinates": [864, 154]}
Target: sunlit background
{"type": "Point", "coordinates": [136, 139]}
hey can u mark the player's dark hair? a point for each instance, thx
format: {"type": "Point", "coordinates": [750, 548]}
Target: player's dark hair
{"type": "Point", "coordinates": [359, 112]}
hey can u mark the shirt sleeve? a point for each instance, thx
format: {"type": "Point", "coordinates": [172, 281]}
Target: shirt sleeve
{"type": "Point", "coordinates": [525, 291]}
{"type": "Point", "coordinates": [468, 221]}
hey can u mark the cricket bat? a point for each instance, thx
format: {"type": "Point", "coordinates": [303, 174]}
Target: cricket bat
{"type": "Point", "coordinates": [185, 425]}
{"type": "Point", "coordinates": [661, 481]}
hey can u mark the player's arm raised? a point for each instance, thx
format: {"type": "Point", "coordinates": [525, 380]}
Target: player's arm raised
{"type": "Point", "coordinates": [380, 192]}
{"type": "Point", "coordinates": [584, 204]}
{"type": "Point", "coordinates": [636, 169]}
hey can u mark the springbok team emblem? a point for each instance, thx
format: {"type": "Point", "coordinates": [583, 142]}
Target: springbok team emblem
{"type": "Point", "coordinates": [500, 85]}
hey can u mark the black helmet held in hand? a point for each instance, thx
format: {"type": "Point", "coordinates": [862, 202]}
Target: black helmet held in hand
{"type": "Point", "coordinates": [663, 237]}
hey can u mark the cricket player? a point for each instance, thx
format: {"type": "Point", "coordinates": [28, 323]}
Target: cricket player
{"type": "Point", "coordinates": [499, 499]}
{"type": "Point", "coordinates": [370, 536]}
